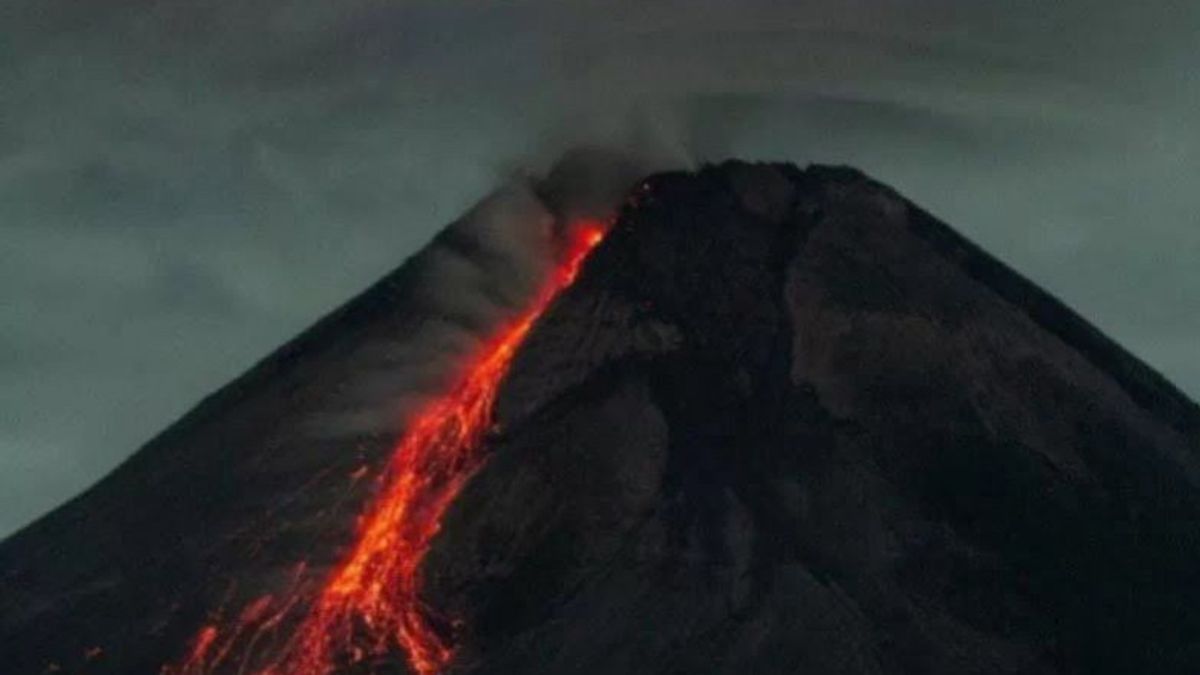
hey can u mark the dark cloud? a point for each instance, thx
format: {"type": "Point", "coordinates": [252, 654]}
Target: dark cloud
{"type": "Point", "coordinates": [184, 185]}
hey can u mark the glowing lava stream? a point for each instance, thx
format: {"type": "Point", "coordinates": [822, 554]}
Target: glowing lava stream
{"type": "Point", "coordinates": [371, 602]}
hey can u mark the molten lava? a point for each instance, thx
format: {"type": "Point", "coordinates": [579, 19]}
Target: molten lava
{"type": "Point", "coordinates": [370, 605]}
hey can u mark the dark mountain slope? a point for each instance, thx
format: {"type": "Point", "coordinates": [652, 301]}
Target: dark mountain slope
{"type": "Point", "coordinates": [783, 422]}
{"type": "Point", "coordinates": [787, 422]}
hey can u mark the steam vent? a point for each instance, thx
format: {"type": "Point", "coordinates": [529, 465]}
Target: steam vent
{"type": "Point", "coordinates": [765, 420]}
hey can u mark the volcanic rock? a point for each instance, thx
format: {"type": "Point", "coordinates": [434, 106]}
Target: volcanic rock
{"type": "Point", "coordinates": [784, 422]}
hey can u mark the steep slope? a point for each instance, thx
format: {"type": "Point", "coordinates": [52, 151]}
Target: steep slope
{"type": "Point", "coordinates": [789, 423]}
{"type": "Point", "coordinates": [226, 527]}
{"type": "Point", "coordinates": [784, 421]}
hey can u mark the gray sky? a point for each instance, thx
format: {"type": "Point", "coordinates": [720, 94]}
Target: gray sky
{"type": "Point", "coordinates": [185, 185]}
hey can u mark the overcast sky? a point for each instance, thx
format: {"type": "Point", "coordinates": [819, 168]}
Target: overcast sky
{"type": "Point", "coordinates": [184, 185]}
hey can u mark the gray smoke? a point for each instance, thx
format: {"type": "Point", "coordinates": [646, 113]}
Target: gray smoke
{"type": "Point", "coordinates": [477, 274]}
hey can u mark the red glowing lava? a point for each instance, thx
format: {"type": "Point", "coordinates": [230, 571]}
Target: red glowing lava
{"type": "Point", "coordinates": [370, 605]}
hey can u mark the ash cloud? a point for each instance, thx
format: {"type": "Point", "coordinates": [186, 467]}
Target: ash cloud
{"type": "Point", "coordinates": [475, 273]}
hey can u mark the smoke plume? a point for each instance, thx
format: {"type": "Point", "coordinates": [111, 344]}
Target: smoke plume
{"type": "Point", "coordinates": [480, 271]}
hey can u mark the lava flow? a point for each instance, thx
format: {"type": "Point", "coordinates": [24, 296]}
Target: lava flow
{"type": "Point", "coordinates": [370, 605]}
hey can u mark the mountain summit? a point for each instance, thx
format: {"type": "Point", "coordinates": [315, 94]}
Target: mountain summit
{"type": "Point", "coordinates": [764, 420]}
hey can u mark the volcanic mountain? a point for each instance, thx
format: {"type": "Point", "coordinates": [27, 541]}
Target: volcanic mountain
{"type": "Point", "coordinates": [763, 420]}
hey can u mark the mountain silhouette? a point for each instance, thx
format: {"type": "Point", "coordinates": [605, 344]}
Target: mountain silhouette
{"type": "Point", "coordinates": [775, 420]}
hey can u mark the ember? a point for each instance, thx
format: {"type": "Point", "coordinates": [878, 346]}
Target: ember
{"type": "Point", "coordinates": [370, 605]}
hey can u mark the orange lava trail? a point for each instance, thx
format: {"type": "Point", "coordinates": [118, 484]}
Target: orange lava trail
{"type": "Point", "coordinates": [371, 605]}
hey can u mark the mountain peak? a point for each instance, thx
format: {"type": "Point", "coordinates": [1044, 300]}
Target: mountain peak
{"type": "Point", "coordinates": [782, 421]}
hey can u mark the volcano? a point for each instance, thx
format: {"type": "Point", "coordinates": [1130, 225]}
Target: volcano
{"type": "Point", "coordinates": [762, 419]}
